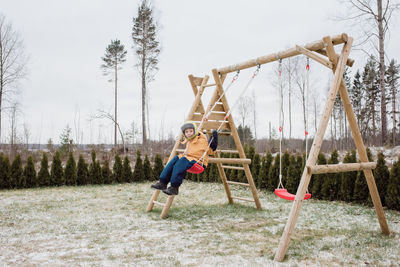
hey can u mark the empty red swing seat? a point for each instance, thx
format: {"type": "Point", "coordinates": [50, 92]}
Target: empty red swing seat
{"type": "Point", "coordinates": [283, 193]}
{"type": "Point", "coordinates": [196, 169]}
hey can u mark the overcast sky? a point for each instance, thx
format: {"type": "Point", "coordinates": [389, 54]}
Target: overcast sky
{"type": "Point", "coordinates": [66, 40]}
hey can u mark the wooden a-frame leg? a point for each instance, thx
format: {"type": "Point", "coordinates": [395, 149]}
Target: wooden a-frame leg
{"type": "Point", "coordinates": [315, 148]}
{"type": "Point", "coordinates": [376, 200]}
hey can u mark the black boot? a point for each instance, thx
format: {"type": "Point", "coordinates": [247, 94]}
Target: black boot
{"type": "Point", "coordinates": [171, 190]}
{"type": "Point", "coordinates": [159, 186]}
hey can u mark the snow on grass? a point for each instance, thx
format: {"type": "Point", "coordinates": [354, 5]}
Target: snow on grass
{"type": "Point", "coordinates": [108, 225]}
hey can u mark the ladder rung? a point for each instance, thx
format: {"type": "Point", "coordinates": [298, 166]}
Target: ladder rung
{"type": "Point", "coordinates": [208, 85]}
{"type": "Point", "coordinates": [244, 199]}
{"type": "Point", "coordinates": [237, 183]}
{"type": "Point", "coordinates": [232, 167]}
{"type": "Point", "coordinates": [158, 203]}
{"type": "Point", "coordinates": [219, 103]}
{"type": "Point", "coordinates": [218, 112]}
{"type": "Point", "coordinates": [197, 113]}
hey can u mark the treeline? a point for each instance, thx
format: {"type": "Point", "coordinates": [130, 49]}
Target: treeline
{"type": "Point", "coordinates": [14, 175]}
{"type": "Point", "coordinates": [366, 96]}
{"type": "Point", "coordinates": [349, 186]}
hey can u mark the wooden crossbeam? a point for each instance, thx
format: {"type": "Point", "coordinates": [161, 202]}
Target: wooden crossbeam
{"type": "Point", "coordinates": [314, 56]}
{"type": "Point", "coordinates": [229, 160]}
{"type": "Point", "coordinates": [346, 167]}
{"type": "Point", "coordinates": [349, 61]}
{"type": "Point", "coordinates": [313, 46]}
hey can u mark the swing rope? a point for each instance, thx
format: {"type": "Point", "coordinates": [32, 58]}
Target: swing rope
{"type": "Point", "coordinates": [307, 94]}
{"type": "Point", "coordinates": [281, 191]}
{"type": "Point", "coordinates": [280, 122]}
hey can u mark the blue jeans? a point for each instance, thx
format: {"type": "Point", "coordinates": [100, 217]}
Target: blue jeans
{"type": "Point", "coordinates": [175, 171]}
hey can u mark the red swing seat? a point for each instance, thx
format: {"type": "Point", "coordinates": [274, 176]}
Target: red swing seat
{"type": "Point", "coordinates": [196, 169]}
{"type": "Point", "coordinates": [283, 193]}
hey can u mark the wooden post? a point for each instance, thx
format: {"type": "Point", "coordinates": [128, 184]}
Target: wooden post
{"type": "Point", "coordinates": [151, 202]}
{"type": "Point", "coordinates": [167, 206]}
{"type": "Point", "coordinates": [376, 200]}
{"type": "Point", "coordinates": [315, 148]}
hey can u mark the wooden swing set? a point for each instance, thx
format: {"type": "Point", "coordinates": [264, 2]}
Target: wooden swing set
{"type": "Point", "coordinates": [218, 115]}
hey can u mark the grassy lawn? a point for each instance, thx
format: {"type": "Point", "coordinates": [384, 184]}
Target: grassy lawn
{"type": "Point", "coordinates": [108, 226]}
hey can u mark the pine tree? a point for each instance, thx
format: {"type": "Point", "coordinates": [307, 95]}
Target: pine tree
{"type": "Point", "coordinates": [147, 50]}
{"type": "Point", "coordinates": [148, 171]}
{"type": "Point", "coordinates": [356, 93]}
{"type": "Point", "coordinates": [372, 96]}
{"type": "Point", "coordinates": [381, 175]}
{"type": "Point", "coordinates": [70, 170]}
{"type": "Point", "coordinates": [106, 173]}
{"type": "Point", "coordinates": [112, 62]}
{"type": "Point", "coordinates": [361, 191]}
{"type": "Point", "coordinates": [44, 175]}
{"type": "Point", "coordinates": [65, 141]}
{"type": "Point", "coordinates": [392, 197]}
{"type": "Point", "coordinates": [348, 178]}
{"type": "Point", "coordinates": [117, 170]}
{"type": "Point", "coordinates": [316, 189]}
{"type": "Point", "coordinates": [138, 171]}
{"type": "Point", "coordinates": [56, 172]}
{"type": "Point", "coordinates": [16, 173]}
{"type": "Point", "coordinates": [158, 167]}
{"type": "Point", "coordinates": [95, 170]}
{"type": "Point", "coordinates": [127, 175]}
{"type": "Point", "coordinates": [331, 185]}
{"type": "Point", "coordinates": [273, 174]}
{"type": "Point", "coordinates": [30, 173]}
{"type": "Point", "coordinates": [82, 173]}
{"type": "Point", "coordinates": [213, 175]}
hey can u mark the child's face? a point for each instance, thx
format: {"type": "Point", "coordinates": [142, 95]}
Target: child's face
{"type": "Point", "coordinates": [189, 133]}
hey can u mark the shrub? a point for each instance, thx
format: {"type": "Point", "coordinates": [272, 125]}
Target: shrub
{"type": "Point", "coordinates": [138, 172]}
{"type": "Point", "coordinates": [158, 167]}
{"type": "Point", "coordinates": [382, 175]}
{"type": "Point", "coordinates": [316, 189]}
{"type": "Point", "coordinates": [16, 173]}
{"type": "Point", "coordinates": [82, 173]}
{"type": "Point", "coordinates": [70, 170]}
{"type": "Point", "coordinates": [30, 173]}
{"type": "Point", "coordinates": [44, 175]}
{"type": "Point", "coordinates": [106, 173]}
{"type": "Point", "coordinates": [56, 172]}
{"type": "Point", "coordinates": [392, 197]}
{"type": "Point", "coordinates": [148, 171]}
{"type": "Point", "coordinates": [117, 169]}
{"type": "Point", "coordinates": [348, 178]}
{"type": "Point", "coordinates": [127, 175]}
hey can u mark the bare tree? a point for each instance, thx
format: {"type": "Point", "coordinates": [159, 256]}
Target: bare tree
{"type": "Point", "coordinates": [290, 65]}
{"type": "Point", "coordinates": [27, 134]}
{"type": "Point", "coordinates": [14, 114]}
{"type": "Point", "coordinates": [13, 62]}
{"type": "Point", "coordinates": [301, 82]}
{"type": "Point", "coordinates": [374, 18]}
{"type": "Point", "coordinates": [147, 50]}
{"type": "Point", "coordinates": [102, 114]}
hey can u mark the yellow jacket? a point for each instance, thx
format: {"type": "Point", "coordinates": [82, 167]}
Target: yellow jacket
{"type": "Point", "coordinates": [195, 149]}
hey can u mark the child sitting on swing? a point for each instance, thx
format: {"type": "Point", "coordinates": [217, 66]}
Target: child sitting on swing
{"type": "Point", "coordinates": [196, 146]}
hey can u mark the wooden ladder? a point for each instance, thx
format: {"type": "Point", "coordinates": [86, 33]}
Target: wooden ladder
{"type": "Point", "coordinates": [216, 118]}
